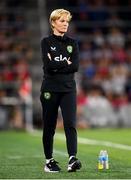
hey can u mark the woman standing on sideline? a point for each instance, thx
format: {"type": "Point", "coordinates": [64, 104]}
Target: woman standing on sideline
{"type": "Point", "coordinates": [60, 59]}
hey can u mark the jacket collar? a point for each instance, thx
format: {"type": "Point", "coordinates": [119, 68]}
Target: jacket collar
{"type": "Point", "coordinates": [60, 38]}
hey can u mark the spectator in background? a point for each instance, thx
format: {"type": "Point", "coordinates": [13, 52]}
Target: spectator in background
{"type": "Point", "coordinates": [119, 54]}
{"type": "Point", "coordinates": [119, 74]}
{"type": "Point", "coordinates": [116, 37]}
{"type": "Point", "coordinates": [98, 38]}
{"type": "Point", "coordinates": [98, 110]}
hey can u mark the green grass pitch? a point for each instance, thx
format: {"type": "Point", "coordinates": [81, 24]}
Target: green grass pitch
{"type": "Point", "coordinates": [21, 154]}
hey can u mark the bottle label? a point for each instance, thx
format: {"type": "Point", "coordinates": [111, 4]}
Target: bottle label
{"type": "Point", "coordinates": [103, 160]}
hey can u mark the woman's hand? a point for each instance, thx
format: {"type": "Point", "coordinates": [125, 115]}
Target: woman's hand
{"type": "Point", "coordinates": [68, 61]}
{"type": "Point", "coordinates": [49, 56]}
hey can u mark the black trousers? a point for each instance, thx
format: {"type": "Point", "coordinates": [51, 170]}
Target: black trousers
{"type": "Point", "coordinates": [51, 101]}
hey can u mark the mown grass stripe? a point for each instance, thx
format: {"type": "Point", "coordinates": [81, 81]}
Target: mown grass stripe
{"type": "Point", "coordinates": [61, 153]}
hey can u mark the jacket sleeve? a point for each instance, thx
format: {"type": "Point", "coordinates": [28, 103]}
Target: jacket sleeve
{"type": "Point", "coordinates": [74, 59]}
{"type": "Point", "coordinates": [50, 65]}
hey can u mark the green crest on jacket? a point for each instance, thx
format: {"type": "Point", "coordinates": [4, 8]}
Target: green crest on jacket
{"type": "Point", "coordinates": [69, 49]}
{"type": "Point", "coordinates": [47, 95]}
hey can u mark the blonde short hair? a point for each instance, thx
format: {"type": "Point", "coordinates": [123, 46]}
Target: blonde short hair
{"type": "Point", "coordinates": [57, 13]}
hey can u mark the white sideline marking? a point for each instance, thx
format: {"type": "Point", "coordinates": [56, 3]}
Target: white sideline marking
{"type": "Point", "coordinates": [104, 143]}
{"type": "Point", "coordinates": [97, 142]}
{"type": "Point", "coordinates": [91, 141]}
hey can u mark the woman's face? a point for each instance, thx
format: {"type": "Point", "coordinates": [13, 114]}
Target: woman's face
{"type": "Point", "coordinates": [61, 25]}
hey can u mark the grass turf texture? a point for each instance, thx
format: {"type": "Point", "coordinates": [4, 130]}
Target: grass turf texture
{"type": "Point", "coordinates": [21, 155]}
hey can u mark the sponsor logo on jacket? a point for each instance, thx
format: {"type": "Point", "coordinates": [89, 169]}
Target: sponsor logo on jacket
{"type": "Point", "coordinates": [60, 58]}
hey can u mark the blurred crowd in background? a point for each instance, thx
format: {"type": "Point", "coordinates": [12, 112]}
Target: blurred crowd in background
{"type": "Point", "coordinates": [15, 54]}
{"type": "Point", "coordinates": [105, 62]}
{"type": "Point", "coordinates": [103, 30]}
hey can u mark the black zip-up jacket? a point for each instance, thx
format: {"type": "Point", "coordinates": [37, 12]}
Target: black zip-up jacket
{"type": "Point", "coordinates": [58, 75]}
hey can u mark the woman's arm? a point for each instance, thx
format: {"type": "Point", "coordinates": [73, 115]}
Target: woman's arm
{"type": "Point", "coordinates": [74, 59]}
{"type": "Point", "coordinates": [50, 64]}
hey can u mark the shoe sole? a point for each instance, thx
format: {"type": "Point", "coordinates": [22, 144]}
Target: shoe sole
{"type": "Point", "coordinates": [76, 166]}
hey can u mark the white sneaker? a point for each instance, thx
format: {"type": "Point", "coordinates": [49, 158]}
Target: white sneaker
{"type": "Point", "coordinates": [74, 164]}
{"type": "Point", "coordinates": [52, 166]}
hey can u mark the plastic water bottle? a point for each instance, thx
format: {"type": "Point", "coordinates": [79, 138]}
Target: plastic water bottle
{"type": "Point", "coordinates": [105, 160]}
{"type": "Point", "coordinates": [101, 160]}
